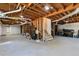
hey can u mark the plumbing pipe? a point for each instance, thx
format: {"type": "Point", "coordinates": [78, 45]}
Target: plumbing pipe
{"type": "Point", "coordinates": [3, 14]}
{"type": "Point", "coordinates": [18, 6]}
{"type": "Point", "coordinates": [18, 18]}
{"type": "Point", "coordinates": [18, 10]}
{"type": "Point", "coordinates": [26, 21]}
{"type": "Point", "coordinates": [69, 15]}
{"type": "Point", "coordinates": [22, 23]}
{"type": "Point", "coordinates": [12, 11]}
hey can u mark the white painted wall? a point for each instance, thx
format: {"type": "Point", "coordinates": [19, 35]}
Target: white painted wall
{"type": "Point", "coordinates": [74, 26]}
{"type": "Point", "coordinates": [12, 29]}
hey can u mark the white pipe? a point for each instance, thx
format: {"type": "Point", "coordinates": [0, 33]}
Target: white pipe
{"type": "Point", "coordinates": [2, 15]}
{"type": "Point", "coordinates": [23, 7]}
{"type": "Point", "coordinates": [22, 23]}
{"type": "Point", "coordinates": [10, 17]}
{"type": "Point", "coordinates": [12, 11]}
{"type": "Point", "coordinates": [69, 15]}
{"type": "Point", "coordinates": [18, 5]}
{"type": "Point", "coordinates": [18, 18]}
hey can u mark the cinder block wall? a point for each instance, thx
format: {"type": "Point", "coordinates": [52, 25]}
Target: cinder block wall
{"type": "Point", "coordinates": [74, 26]}
{"type": "Point", "coordinates": [9, 29]}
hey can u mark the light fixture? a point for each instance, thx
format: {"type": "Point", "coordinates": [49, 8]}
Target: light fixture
{"type": "Point", "coordinates": [17, 21]}
{"type": "Point", "coordinates": [51, 7]}
{"type": "Point", "coordinates": [1, 14]}
{"type": "Point", "coordinates": [66, 21]}
{"type": "Point", "coordinates": [21, 16]}
{"type": "Point", "coordinates": [47, 7]}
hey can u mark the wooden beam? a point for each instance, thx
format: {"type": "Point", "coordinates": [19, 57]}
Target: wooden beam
{"type": "Point", "coordinates": [29, 5]}
{"type": "Point", "coordinates": [35, 13]}
{"type": "Point", "coordinates": [0, 22]}
{"type": "Point", "coordinates": [55, 18]}
{"type": "Point", "coordinates": [51, 10]}
{"type": "Point", "coordinates": [37, 10]}
{"type": "Point", "coordinates": [71, 7]}
{"type": "Point", "coordinates": [66, 4]}
{"type": "Point", "coordinates": [65, 13]}
{"type": "Point", "coordinates": [31, 14]}
{"type": "Point", "coordinates": [62, 5]}
{"type": "Point", "coordinates": [30, 9]}
{"type": "Point", "coordinates": [68, 12]}
{"type": "Point", "coordinates": [60, 15]}
{"type": "Point", "coordinates": [74, 17]}
{"type": "Point", "coordinates": [62, 10]}
{"type": "Point", "coordinates": [40, 7]}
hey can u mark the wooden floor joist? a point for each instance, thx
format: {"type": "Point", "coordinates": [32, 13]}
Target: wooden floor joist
{"type": "Point", "coordinates": [37, 10]}
{"type": "Point", "coordinates": [71, 7]}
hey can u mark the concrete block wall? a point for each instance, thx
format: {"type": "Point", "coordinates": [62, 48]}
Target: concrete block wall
{"type": "Point", "coordinates": [9, 29]}
{"type": "Point", "coordinates": [74, 26]}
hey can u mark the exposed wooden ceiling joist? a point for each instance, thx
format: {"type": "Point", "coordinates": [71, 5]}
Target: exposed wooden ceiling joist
{"type": "Point", "coordinates": [71, 7]}
{"type": "Point", "coordinates": [37, 11]}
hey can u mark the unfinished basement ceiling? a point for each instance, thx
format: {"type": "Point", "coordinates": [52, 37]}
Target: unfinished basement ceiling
{"type": "Point", "coordinates": [35, 11]}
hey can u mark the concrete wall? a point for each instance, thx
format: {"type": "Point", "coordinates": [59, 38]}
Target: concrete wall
{"type": "Point", "coordinates": [74, 26]}
{"type": "Point", "coordinates": [0, 30]}
{"type": "Point", "coordinates": [12, 29]}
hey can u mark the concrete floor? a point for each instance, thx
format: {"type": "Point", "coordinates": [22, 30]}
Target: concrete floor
{"type": "Point", "coordinates": [18, 45]}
